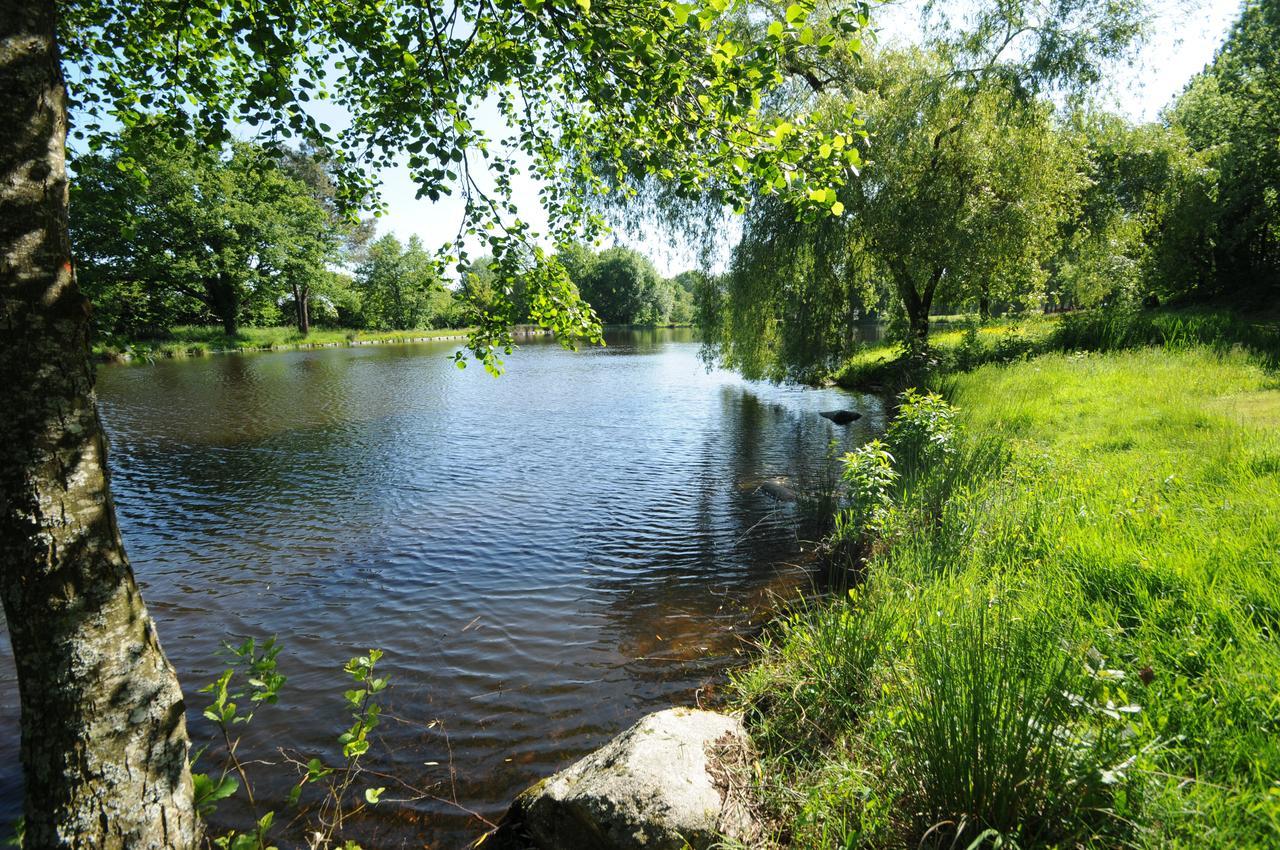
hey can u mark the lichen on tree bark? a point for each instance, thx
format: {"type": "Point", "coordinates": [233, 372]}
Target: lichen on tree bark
{"type": "Point", "coordinates": [104, 742]}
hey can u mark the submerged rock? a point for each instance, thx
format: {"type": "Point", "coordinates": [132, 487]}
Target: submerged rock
{"type": "Point", "coordinates": [672, 780]}
{"type": "Point", "coordinates": [841, 417]}
{"type": "Point", "coordinates": [777, 489]}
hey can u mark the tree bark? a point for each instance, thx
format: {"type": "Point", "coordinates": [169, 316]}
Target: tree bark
{"type": "Point", "coordinates": [915, 303]}
{"type": "Point", "coordinates": [225, 304]}
{"type": "Point", "coordinates": [104, 742]}
{"type": "Point", "coordinates": [302, 304]}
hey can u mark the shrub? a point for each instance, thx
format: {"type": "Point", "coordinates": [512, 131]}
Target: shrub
{"type": "Point", "coordinates": [923, 433]}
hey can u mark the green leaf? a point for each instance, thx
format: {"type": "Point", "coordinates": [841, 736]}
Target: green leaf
{"type": "Point", "coordinates": [373, 794]}
{"type": "Point", "coordinates": [207, 791]}
{"type": "Point", "coordinates": [776, 29]}
{"type": "Point", "coordinates": [837, 209]}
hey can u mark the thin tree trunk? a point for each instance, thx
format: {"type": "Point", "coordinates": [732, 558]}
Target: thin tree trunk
{"type": "Point", "coordinates": [302, 301]}
{"type": "Point", "coordinates": [104, 741]}
{"type": "Point", "coordinates": [225, 304]}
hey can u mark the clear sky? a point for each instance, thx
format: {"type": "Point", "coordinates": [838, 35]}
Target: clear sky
{"type": "Point", "coordinates": [1185, 35]}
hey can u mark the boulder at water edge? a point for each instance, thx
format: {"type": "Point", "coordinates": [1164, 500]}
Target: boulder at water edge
{"type": "Point", "coordinates": [841, 417]}
{"type": "Point", "coordinates": [674, 780]}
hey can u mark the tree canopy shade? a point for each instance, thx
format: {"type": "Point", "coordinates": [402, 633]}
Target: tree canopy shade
{"type": "Point", "coordinates": [670, 88]}
{"type": "Point", "coordinates": [1230, 115]}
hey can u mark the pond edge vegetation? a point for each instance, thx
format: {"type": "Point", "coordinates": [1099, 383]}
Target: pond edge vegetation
{"type": "Point", "coordinates": [1061, 626]}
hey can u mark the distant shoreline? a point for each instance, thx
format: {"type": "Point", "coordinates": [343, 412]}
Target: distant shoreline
{"type": "Point", "coordinates": [199, 341]}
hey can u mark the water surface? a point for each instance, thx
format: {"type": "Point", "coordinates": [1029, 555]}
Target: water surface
{"type": "Point", "coordinates": [544, 557]}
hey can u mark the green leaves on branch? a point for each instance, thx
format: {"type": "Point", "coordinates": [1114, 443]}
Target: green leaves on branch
{"type": "Point", "coordinates": [254, 678]}
{"type": "Point", "coordinates": [920, 439]}
{"type": "Point", "coordinates": [590, 93]}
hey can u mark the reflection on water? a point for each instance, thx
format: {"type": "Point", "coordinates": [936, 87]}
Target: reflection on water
{"type": "Point", "coordinates": [544, 557]}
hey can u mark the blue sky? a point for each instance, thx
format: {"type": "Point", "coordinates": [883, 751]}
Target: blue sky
{"type": "Point", "coordinates": [1185, 35]}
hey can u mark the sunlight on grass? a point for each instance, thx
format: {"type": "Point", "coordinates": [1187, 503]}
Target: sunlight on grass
{"type": "Point", "coordinates": [1124, 551]}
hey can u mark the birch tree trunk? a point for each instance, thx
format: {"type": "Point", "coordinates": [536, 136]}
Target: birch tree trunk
{"type": "Point", "coordinates": [104, 741]}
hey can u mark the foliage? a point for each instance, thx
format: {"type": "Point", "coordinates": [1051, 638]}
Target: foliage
{"type": "Point", "coordinates": [923, 432]}
{"type": "Point", "coordinates": [869, 476]}
{"type": "Point", "coordinates": [965, 210]}
{"type": "Point", "coordinates": [166, 231]}
{"type": "Point", "coordinates": [1229, 115]}
{"type": "Point", "coordinates": [962, 208]}
{"type": "Point", "coordinates": [254, 677]}
{"type": "Point", "coordinates": [399, 288]}
{"type": "Point", "coordinates": [1075, 645]}
{"type": "Point", "coordinates": [624, 288]}
{"type": "Point", "coordinates": [963, 202]}
{"type": "Point", "coordinates": [663, 88]}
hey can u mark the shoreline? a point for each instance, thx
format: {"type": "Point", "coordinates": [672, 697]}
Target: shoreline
{"type": "Point", "coordinates": [177, 350]}
{"type": "Point", "coordinates": [1102, 491]}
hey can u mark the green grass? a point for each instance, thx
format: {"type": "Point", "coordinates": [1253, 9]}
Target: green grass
{"type": "Point", "coordinates": [199, 340]}
{"type": "Point", "coordinates": [1067, 633]}
{"type": "Point", "coordinates": [961, 346]}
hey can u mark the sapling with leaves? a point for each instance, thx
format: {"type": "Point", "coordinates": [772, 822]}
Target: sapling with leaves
{"type": "Point", "coordinates": [339, 782]}
{"type": "Point", "coordinates": [253, 681]}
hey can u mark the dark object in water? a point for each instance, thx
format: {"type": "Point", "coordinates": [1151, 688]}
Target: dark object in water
{"type": "Point", "coordinates": [776, 488]}
{"type": "Point", "coordinates": [841, 417]}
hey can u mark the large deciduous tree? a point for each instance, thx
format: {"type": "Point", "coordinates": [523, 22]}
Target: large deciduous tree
{"type": "Point", "coordinates": [398, 285]}
{"type": "Point", "coordinates": [210, 232]}
{"type": "Point", "coordinates": [959, 203]}
{"type": "Point", "coordinates": [624, 288]}
{"type": "Point", "coordinates": [665, 87]}
{"type": "Point", "coordinates": [1230, 115]}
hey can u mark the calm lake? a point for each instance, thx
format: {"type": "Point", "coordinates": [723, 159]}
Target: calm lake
{"type": "Point", "coordinates": [544, 557]}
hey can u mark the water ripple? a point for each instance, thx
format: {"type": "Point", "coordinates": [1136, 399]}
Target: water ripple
{"type": "Point", "coordinates": [544, 557]}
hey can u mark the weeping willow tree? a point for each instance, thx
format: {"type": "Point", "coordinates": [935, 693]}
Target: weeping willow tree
{"type": "Point", "coordinates": [967, 178]}
{"type": "Point", "coordinates": [961, 205]}
{"type": "Point", "coordinates": [788, 307]}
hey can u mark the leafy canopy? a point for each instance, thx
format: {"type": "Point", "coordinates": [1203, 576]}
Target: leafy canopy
{"type": "Point", "coordinates": [168, 231]}
{"type": "Point", "coordinates": [672, 89]}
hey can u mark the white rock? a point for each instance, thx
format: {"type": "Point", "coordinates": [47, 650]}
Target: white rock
{"type": "Point", "coordinates": [671, 781]}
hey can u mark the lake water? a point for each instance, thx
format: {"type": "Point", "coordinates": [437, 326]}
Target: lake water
{"type": "Point", "coordinates": [544, 557]}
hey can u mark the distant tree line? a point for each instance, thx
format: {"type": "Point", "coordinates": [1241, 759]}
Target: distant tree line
{"type": "Point", "coordinates": [624, 288]}
{"type": "Point", "coordinates": [168, 232]}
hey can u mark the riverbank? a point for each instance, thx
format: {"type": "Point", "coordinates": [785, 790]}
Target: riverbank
{"type": "Point", "coordinates": [198, 341]}
{"type": "Point", "coordinates": [956, 346]}
{"type": "Point", "coordinates": [1066, 635]}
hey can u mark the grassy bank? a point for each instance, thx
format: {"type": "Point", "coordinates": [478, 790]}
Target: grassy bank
{"type": "Point", "coordinates": [959, 346]}
{"type": "Point", "coordinates": [1067, 632]}
{"type": "Point", "coordinates": [198, 340]}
